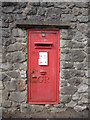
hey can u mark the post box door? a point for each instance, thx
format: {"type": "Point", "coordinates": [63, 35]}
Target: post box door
{"type": "Point", "coordinates": [43, 66]}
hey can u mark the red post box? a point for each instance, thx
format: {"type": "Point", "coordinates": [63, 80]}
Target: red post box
{"type": "Point", "coordinates": [43, 66]}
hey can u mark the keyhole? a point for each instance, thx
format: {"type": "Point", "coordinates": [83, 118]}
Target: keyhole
{"type": "Point", "coordinates": [33, 72]}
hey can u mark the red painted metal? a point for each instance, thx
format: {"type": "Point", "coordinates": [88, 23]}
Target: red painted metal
{"type": "Point", "coordinates": [43, 80]}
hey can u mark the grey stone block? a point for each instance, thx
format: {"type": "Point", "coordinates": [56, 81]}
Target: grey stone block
{"type": "Point", "coordinates": [82, 4]}
{"type": "Point", "coordinates": [16, 57]}
{"type": "Point", "coordinates": [65, 98]}
{"type": "Point", "coordinates": [71, 104]}
{"type": "Point", "coordinates": [6, 103]}
{"type": "Point", "coordinates": [60, 5]}
{"type": "Point", "coordinates": [17, 96]}
{"type": "Point", "coordinates": [74, 44]}
{"type": "Point", "coordinates": [5, 77]}
{"type": "Point", "coordinates": [14, 47]}
{"type": "Point", "coordinates": [75, 81]}
{"type": "Point", "coordinates": [7, 41]}
{"type": "Point", "coordinates": [8, 9]}
{"type": "Point", "coordinates": [67, 74]}
{"type": "Point", "coordinates": [53, 11]}
{"type": "Point", "coordinates": [80, 37]}
{"type": "Point", "coordinates": [68, 90]}
{"type": "Point", "coordinates": [68, 18]}
{"type": "Point", "coordinates": [31, 10]}
{"type": "Point", "coordinates": [13, 74]}
{"type": "Point", "coordinates": [79, 108]}
{"type": "Point", "coordinates": [82, 27]}
{"type": "Point", "coordinates": [83, 101]}
{"type": "Point", "coordinates": [5, 32]}
{"type": "Point", "coordinates": [76, 10]}
{"type": "Point", "coordinates": [83, 88]}
{"type": "Point", "coordinates": [8, 18]}
{"type": "Point", "coordinates": [76, 96]}
{"type": "Point", "coordinates": [82, 19]}
{"type": "Point", "coordinates": [66, 65]}
{"type": "Point", "coordinates": [84, 11]}
{"type": "Point", "coordinates": [81, 66]}
{"type": "Point", "coordinates": [20, 17]}
{"type": "Point", "coordinates": [41, 11]}
{"type": "Point", "coordinates": [18, 32]}
{"type": "Point", "coordinates": [11, 85]}
{"type": "Point", "coordinates": [77, 73]}
{"type": "Point", "coordinates": [77, 55]}
{"type": "Point", "coordinates": [5, 66]}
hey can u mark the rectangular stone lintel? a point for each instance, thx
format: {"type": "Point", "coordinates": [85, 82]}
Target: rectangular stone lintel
{"type": "Point", "coordinates": [35, 24]}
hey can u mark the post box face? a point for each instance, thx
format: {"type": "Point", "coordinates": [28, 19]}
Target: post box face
{"type": "Point", "coordinates": [43, 66]}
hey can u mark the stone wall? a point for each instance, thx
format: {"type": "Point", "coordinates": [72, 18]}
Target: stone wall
{"type": "Point", "coordinates": [74, 58]}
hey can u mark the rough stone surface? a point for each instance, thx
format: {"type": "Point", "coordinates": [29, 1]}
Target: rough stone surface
{"type": "Point", "coordinates": [74, 54]}
{"type": "Point", "coordinates": [23, 74]}
{"type": "Point", "coordinates": [8, 9]}
{"type": "Point", "coordinates": [14, 47]}
{"type": "Point", "coordinates": [80, 37]}
{"type": "Point", "coordinates": [66, 65]}
{"type": "Point", "coordinates": [13, 74]}
{"type": "Point", "coordinates": [68, 90]}
{"type": "Point", "coordinates": [17, 96]}
{"type": "Point", "coordinates": [76, 11]}
{"type": "Point", "coordinates": [6, 104]}
{"type": "Point", "coordinates": [5, 77]}
{"type": "Point", "coordinates": [77, 55]}
{"type": "Point", "coordinates": [6, 66]}
{"type": "Point", "coordinates": [65, 98]}
{"type": "Point", "coordinates": [71, 104]}
{"type": "Point", "coordinates": [82, 18]}
{"type": "Point", "coordinates": [79, 108]}
{"type": "Point", "coordinates": [81, 66]}
{"type": "Point", "coordinates": [18, 33]}
{"type": "Point", "coordinates": [16, 57]}
{"type": "Point", "coordinates": [83, 88]}
{"type": "Point", "coordinates": [21, 85]}
{"type": "Point", "coordinates": [82, 27]}
{"type": "Point", "coordinates": [76, 96]}
{"type": "Point", "coordinates": [83, 101]}
{"type": "Point", "coordinates": [75, 81]}
{"type": "Point", "coordinates": [11, 85]}
{"type": "Point", "coordinates": [68, 17]}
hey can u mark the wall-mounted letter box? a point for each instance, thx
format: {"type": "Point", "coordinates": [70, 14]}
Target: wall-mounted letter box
{"type": "Point", "coordinates": [43, 66]}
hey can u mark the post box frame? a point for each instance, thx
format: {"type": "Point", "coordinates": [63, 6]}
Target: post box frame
{"type": "Point", "coordinates": [29, 31]}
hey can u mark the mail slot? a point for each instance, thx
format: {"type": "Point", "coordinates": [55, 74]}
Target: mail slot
{"type": "Point", "coordinates": [43, 66]}
{"type": "Point", "coordinates": [43, 45]}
